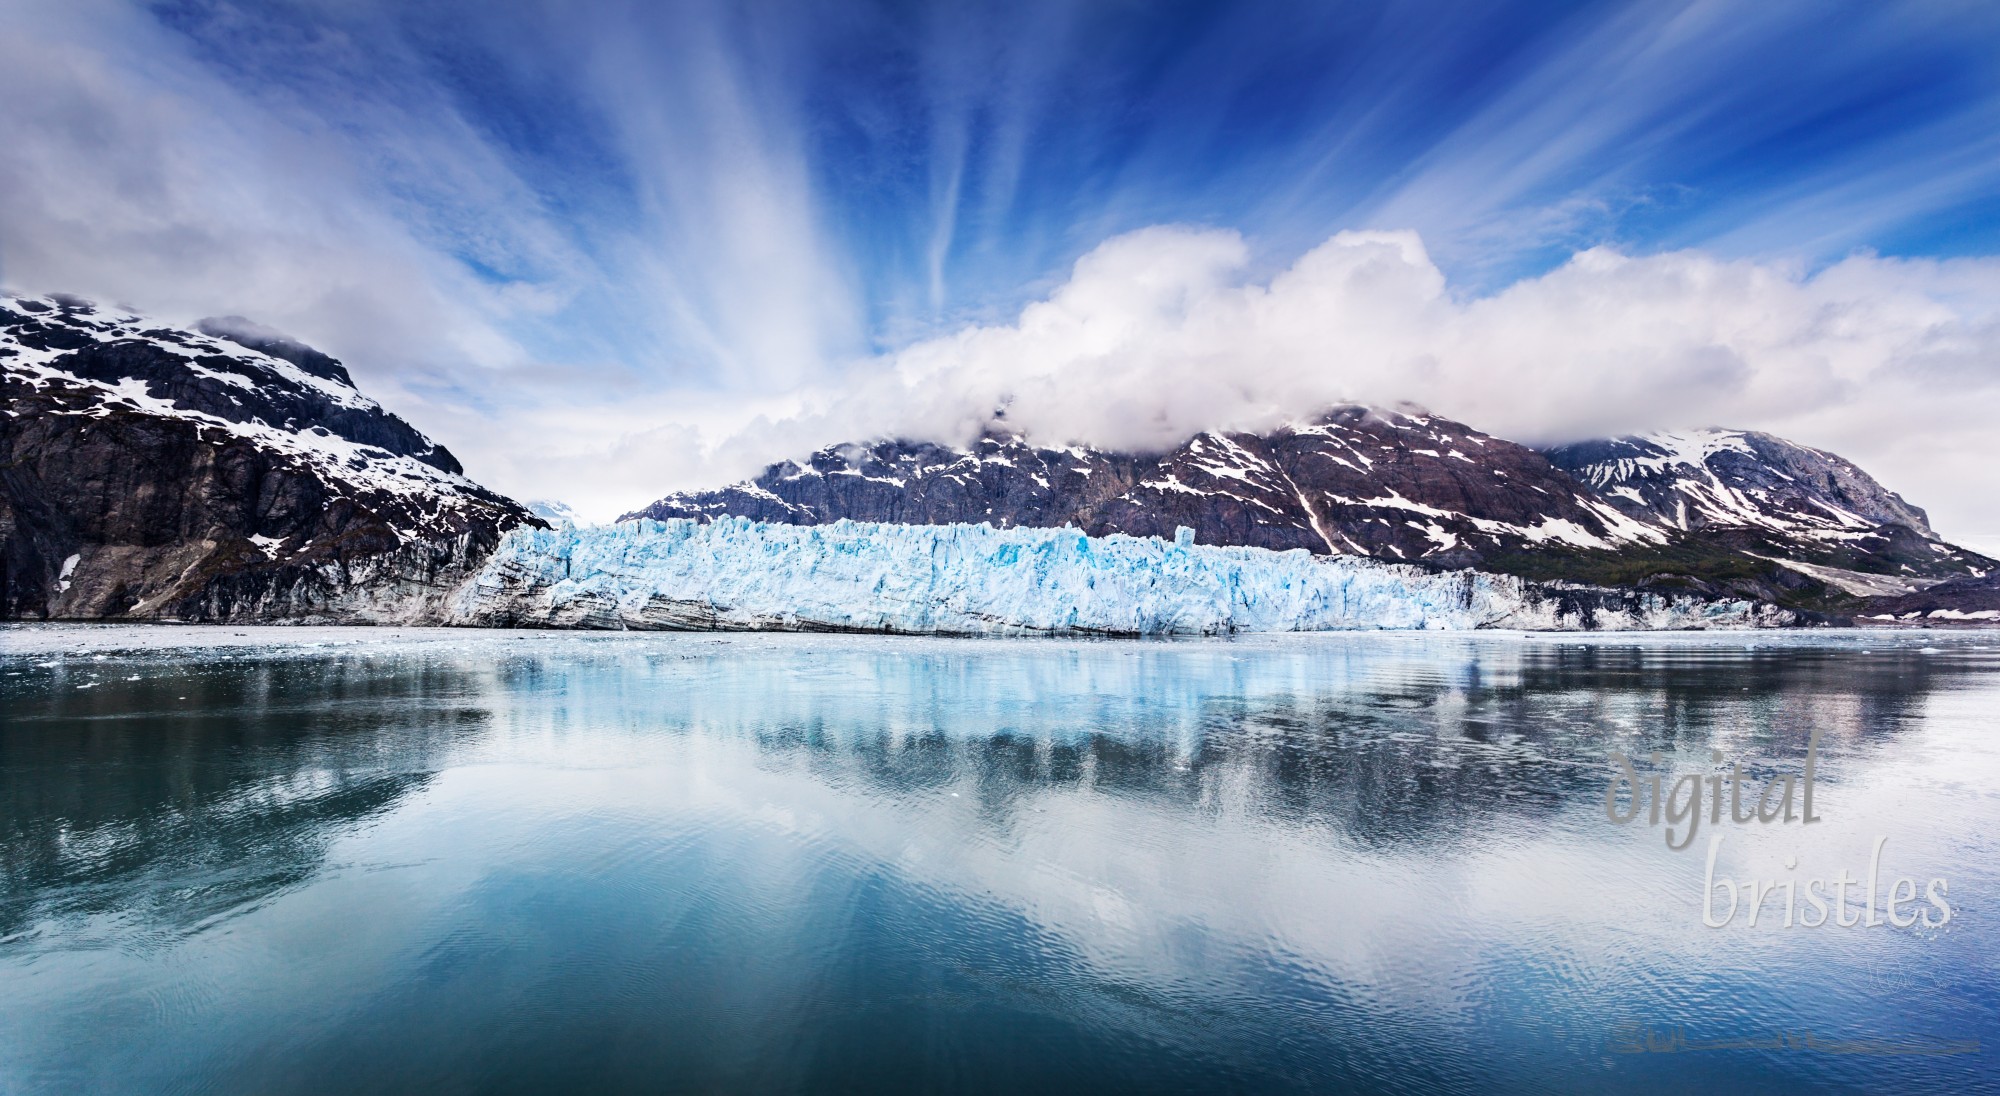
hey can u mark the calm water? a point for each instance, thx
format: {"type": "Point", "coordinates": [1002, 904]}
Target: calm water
{"type": "Point", "coordinates": [341, 861]}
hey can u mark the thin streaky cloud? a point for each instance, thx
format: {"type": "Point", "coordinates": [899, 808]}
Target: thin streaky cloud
{"type": "Point", "coordinates": [662, 240]}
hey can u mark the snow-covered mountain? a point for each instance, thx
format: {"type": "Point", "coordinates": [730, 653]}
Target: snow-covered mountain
{"type": "Point", "coordinates": [1764, 497]}
{"type": "Point", "coordinates": [217, 473]}
{"type": "Point", "coordinates": [1737, 478]}
{"type": "Point", "coordinates": [1724, 513]}
{"type": "Point", "coordinates": [553, 511]}
{"type": "Point", "coordinates": [1389, 484]}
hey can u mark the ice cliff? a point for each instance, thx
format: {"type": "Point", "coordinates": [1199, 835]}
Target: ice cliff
{"type": "Point", "coordinates": [736, 574]}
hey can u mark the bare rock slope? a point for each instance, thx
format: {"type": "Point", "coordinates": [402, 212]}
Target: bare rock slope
{"type": "Point", "coordinates": [225, 473]}
{"type": "Point", "coordinates": [1394, 485]}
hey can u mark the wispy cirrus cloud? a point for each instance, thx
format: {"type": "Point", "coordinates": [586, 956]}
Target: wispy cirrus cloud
{"type": "Point", "coordinates": [604, 249]}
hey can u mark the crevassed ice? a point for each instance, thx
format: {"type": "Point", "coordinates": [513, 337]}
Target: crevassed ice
{"type": "Point", "coordinates": [974, 579]}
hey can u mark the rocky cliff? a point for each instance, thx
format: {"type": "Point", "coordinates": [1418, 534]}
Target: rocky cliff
{"type": "Point", "coordinates": [223, 473]}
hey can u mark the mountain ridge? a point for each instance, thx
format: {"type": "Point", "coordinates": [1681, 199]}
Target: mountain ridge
{"type": "Point", "coordinates": [155, 472]}
{"type": "Point", "coordinates": [1719, 511]}
{"type": "Point", "coordinates": [1363, 481]}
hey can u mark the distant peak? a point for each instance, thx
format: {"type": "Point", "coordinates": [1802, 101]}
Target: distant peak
{"type": "Point", "coordinates": [267, 340]}
{"type": "Point", "coordinates": [553, 511]}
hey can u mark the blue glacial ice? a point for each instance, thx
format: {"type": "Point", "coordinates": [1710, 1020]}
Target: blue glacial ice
{"type": "Point", "coordinates": [737, 574]}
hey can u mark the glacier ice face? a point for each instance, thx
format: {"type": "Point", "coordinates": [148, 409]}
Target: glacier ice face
{"type": "Point", "coordinates": [974, 579]}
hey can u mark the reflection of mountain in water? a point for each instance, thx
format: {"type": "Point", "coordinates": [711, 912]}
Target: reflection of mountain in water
{"type": "Point", "coordinates": [205, 784]}
{"type": "Point", "coordinates": [1416, 739]}
{"type": "Point", "coordinates": [211, 783]}
{"type": "Point", "coordinates": [1432, 753]}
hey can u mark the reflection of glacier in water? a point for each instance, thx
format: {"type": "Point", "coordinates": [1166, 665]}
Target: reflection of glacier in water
{"type": "Point", "coordinates": [800, 862]}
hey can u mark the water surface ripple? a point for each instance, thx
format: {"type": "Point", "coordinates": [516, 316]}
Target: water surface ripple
{"type": "Point", "coordinates": [327, 860]}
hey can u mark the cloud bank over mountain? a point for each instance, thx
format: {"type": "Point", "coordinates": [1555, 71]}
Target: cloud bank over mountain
{"type": "Point", "coordinates": [607, 249]}
{"type": "Point", "coordinates": [1158, 335]}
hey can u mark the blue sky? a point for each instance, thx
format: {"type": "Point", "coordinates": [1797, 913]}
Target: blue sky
{"type": "Point", "coordinates": [494, 209]}
{"type": "Point", "coordinates": [952, 159]}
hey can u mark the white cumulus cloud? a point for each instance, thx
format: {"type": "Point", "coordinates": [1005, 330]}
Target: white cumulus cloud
{"type": "Point", "coordinates": [1158, 334]}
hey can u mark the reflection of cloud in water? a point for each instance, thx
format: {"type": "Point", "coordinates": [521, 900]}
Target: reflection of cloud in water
{"type": "Point", "coordinates": [1392, 740]}
{"type": "Point", "coordinates": [1088, 776]}
{"type": "Point", "coordinates": [1327, 838]}
{"type": "Point", "coordinates": [1389, 815]}
{"type": "Point", "coordinates": [206, 802]}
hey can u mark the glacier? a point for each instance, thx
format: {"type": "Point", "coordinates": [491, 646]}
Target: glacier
{"type": "Point", "coordinates": [736, 574]}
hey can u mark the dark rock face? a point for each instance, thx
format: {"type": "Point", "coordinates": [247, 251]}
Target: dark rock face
{"type": "Point", "coordinates": [154, 473]}
{"type": "Point", "coordinates": [1002, 480]}
{"type": "Point", "coordinates": [1389, 484]}
{"type": "Point", "coordinates": [1962, 601]}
